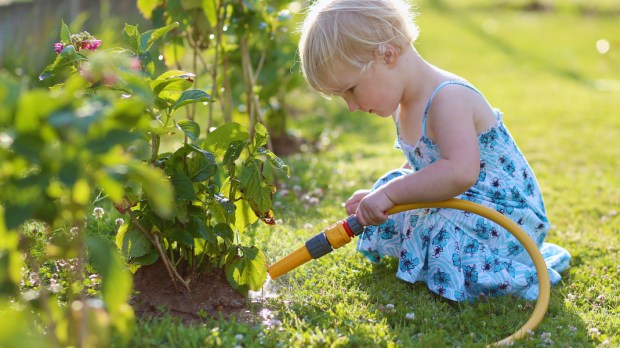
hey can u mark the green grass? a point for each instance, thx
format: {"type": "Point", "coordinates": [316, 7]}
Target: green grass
{"type": "Point", "coordinates": [560, 98]}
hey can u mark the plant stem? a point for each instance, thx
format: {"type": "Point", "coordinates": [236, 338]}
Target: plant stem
{"type": "Point", "coordinates": [155, 140]}
{"type": "Point", "coordinates": [154, 239]}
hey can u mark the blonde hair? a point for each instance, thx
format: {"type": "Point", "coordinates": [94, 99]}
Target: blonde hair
{"type": "Point", "coordinates": [351, 32]}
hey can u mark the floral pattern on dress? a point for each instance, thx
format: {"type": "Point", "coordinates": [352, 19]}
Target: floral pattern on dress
{"type": "Point", "coordinates": [460, 255]}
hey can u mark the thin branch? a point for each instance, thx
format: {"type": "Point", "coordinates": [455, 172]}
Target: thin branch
{"type": "Point", "coordinates": [154, 239]}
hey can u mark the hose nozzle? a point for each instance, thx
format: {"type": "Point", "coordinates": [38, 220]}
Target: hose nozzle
{"type": "Point", "coordinates": [333, 237]}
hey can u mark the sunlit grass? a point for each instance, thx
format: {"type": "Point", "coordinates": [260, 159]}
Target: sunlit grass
{"type": "Point", "coordinates": [560, 96]}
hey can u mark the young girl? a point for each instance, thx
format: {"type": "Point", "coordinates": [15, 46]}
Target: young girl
{"type": "Point", "coordinates": [455, 144]}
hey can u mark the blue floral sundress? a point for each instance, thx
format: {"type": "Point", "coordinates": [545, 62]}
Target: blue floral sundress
{"type": "Point", "coordinates": [460, 255]}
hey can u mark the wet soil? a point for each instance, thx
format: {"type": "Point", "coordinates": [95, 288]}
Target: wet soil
{"type": "Point", "coordinates": [211, 295]}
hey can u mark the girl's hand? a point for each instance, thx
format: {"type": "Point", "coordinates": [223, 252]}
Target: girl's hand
{"type": "Point", "coordinates": [373, 208]}
{"type": "Point", "coordinates": [354, 201]}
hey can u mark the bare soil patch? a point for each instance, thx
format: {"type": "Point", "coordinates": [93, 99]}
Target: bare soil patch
{"type": "Point", "coordinates": [211, 295]}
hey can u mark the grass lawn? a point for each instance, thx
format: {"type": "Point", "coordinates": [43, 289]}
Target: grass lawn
{"type": "Point", "coordinates": [560, 98]}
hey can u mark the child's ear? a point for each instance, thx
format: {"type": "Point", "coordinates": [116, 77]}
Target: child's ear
{"type": "Point", "coordinates": [388, 54]}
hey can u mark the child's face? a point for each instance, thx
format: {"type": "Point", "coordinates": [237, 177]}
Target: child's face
{"type": "Point", "coordinates": [372, 91]}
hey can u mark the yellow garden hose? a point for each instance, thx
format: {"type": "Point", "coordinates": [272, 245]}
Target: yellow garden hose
{"type": "Point", "coordinates": [341, 233]}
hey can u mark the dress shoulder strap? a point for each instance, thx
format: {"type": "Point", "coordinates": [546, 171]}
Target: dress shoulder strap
{"type": "Point", "coordinates": [440, 86]}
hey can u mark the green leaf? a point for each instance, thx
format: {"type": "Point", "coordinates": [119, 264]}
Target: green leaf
{"type": "Point", "coordinates": [22, 207]}
{"type": "Point", "coordinates": [260, 135]}
{"type": "Point", "coordinates": [32, 108]}
{"type": "Point", "coordinates": [192, 96]}
{"type": "Point", "coordinates": [234, 151]}
{"type": "Point", "coordinates": [131, 36]}
{"type": "Point", "coordinates": [248, 269]}
{"type": "Point", "coordinates": [146, 7]}
{"type": "Point", "coordinates": [116, 286]}
{"type": "Point", "coordinates": [174, 51]}
{"type": "Point", "coordinates": [255, 190]}
{"type": "Point", "coordinates": [148, 38]}
{"type": "Point", "coordinates": [114, 189]}
{"type": "Point", "coordinates": [110, 139]}
{"type": "Point", "coordinates": [131, 241]}
{"type": "Point", "coordinates": [219, 140]}
{"type": "Point", "coordinates": [172, 80]}
{"type": "Point", "coordinates": [201, 166]}
{"type": "Point", "coordinates": [189, 5]}
{"type": "Point", "coordinates": [209, 7]}
{"type": "Point", "coordinates": [199, 229]}
{"type": "Point", "coordinates": [159, 191]}
{"type": "Point", "coordinates": [190, 128]}
{"type": "Point", "coordinates": [181, 211]}
{"type": "Point", "coordinates": [148, 259]}
{"type": "Point", "coordinates": [275, 161]}
{"type": "Point", "coordinates": [179, 234]}
{"type": "Point", "coordinates": [67, 57]}
{"type": "Point", "coordinates": [19, 326]}
{"type": "Point", "coordinates": [183, 187]}
{"type": "Point", "coordinates": [228, 206]}
{"type": "Point", "coordinates": [65, 34]}
{"type": "Point", "coordinates": [224, 231]}
{"type": "Point", "coordinates": [244, 215]}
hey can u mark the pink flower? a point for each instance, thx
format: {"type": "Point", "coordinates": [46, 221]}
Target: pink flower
{"type": "Point", "coordinates": [58, 47]}
{"type": "Point", "coordinates": [91, 44]}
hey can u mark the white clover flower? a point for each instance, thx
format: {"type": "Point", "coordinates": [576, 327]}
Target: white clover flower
{"type": "Point", "coordinates": [593, 331]}
{"type": "Point", "coordinates": [98, 212]}
{"type": "Point", "coordinates": [571, 297]}
{"type": "Point", "coordinates": [601, 298]}
{"type": "Point", "coordinates": [55, 287]}
{"type": "Point", "coordinates": [389, 307]}
{"type": "Point", "coordinates": [410, 315]}
{"type": "Point", "coordinates": [545, 335]}
{"type": "Point", "coordinates": [119, 221]}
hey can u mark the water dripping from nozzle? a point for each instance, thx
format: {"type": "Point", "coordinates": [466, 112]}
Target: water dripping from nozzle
{"type": "Point", "coordinates": [265, 292]}
{"type": "Point", "coordinates": [259, 298]}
